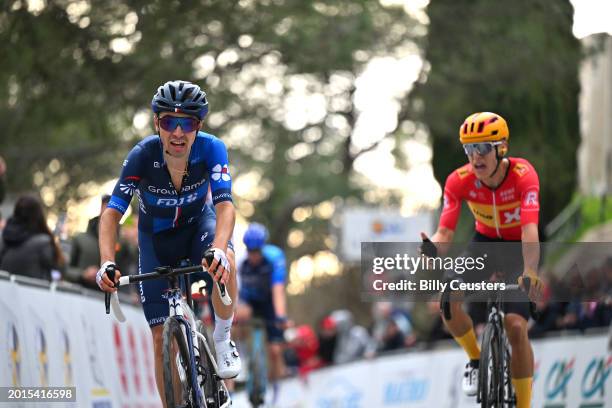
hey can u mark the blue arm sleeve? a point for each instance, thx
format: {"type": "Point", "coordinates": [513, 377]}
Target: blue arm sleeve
{"type": "Point", "coordinates": [218, 168]}
{"type": "Point", "coordinates": [276, 257]}
{"type": "Point", "coordinates": [131, 175]}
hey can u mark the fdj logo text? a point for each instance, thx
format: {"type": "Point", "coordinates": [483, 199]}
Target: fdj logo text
{"type": "Point", "coordinates": [558, 378]}
{"type": "Point", "coordinates": [173, 202]}
{"type": "Point", "coordinates": [595, 377]}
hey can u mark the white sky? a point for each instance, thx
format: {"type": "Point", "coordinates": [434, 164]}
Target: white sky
{"type": "Point", "coordinates": [591, 17]}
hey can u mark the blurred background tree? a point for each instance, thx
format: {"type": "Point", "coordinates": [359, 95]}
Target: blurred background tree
{"type": "Point", "coordinates": [78, 76]}
{"type": "Point", "coordinates": [518, 59]}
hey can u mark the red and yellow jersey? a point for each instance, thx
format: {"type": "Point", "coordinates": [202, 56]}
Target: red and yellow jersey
{"type": "Point", "coordinates": [498, 213]}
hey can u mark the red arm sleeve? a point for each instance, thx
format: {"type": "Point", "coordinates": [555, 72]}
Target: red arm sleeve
{"type": "Point", "coordinates": [452, 202]}
{"type": "Point", "coordinates": [529, 187]}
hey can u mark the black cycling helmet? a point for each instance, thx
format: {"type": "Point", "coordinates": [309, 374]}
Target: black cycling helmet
{"type": "Point", "coordinates": [180, 96]}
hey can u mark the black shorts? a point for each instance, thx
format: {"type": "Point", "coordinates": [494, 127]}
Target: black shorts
{"type": "Point", "coordinates": [265, 311]}
{"type": "Point", "coordinates": [503, 263]}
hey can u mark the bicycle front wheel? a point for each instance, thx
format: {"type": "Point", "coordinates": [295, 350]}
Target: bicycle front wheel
{"type": "Point", "coordinates": [178, 381]}
{"type": "Point", "coordinates": [214, 394]}
{"type": "Point", "coordinates": [491, 373]}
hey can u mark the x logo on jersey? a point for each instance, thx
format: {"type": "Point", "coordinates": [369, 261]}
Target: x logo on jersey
{"type": "Point", "coordinates": [512, 216]}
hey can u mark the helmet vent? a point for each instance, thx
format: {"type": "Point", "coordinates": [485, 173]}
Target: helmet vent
{"type": "Point", "coordinates": [480, 127]}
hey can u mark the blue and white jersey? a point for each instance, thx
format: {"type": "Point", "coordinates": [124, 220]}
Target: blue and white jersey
{"type": "Point", "coordinates": [256, 281]}
{"type": "Point", "coordinates": [145, 174]}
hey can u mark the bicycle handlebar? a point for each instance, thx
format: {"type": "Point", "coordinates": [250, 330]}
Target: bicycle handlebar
{"type": "Point", "coordinates": [159, 273]}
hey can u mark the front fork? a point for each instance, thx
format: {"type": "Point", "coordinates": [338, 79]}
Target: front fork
{"type": "Point", "coordinates": [180, 309]}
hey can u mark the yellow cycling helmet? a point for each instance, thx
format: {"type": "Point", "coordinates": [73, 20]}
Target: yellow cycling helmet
{"type": "Point", "coordinates": [483, 127]}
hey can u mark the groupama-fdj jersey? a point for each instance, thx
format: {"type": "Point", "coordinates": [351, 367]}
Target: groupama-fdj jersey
{"type": "Point", "coordinates": [173, 226]}
{"type": "Point", "coordinates": [162, 207]}
{"type": "Point", "coordinates": [256, 282]}
{"type": "Point", "coordinates": [498, 213]}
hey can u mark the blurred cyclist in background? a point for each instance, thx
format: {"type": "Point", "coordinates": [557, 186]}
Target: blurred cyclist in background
{"type": "Point", "coordinates": [170, 173]}
{"type": "Point", "coordinates": [502, 193]}
{"type": "Point", "coordinates": [262, 292]}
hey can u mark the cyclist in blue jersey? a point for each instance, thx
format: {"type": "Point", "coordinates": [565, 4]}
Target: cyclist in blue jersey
{"type": "Point", "coordinates": [170, 173]}
{"type": "Point", "coordinates": [262, 291]}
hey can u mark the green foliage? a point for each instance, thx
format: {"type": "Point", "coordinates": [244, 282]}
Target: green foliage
{"type": "Point", "coordinates": [594, 211]}
{"type": "Point", "coordinates": [518, 59]}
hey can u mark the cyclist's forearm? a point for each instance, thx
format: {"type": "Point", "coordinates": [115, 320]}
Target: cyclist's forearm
{"type": "Point", "coordinates": [279, 300]}
{"type": "Point", "coordinates": [107, 234]}
{"type": "Point", "coordinates": [226, 218]}
{"type": "Point", "coordinates": [531, 247]}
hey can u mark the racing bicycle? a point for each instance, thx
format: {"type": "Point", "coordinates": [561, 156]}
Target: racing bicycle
{"type": "Point", "coordinates": [190, 371]}
{"type": "Point", "coordinates": [494, 383]}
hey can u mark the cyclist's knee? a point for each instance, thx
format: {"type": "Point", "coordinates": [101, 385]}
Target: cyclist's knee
{"type": "Point", "coordinates": [276, 350]}
{"type": "Point", "coordinates": [243, 312]}
{"type": "Point", "coordinates": [454, 307]}
{"type": "Point", "coordinates": [516, 330]}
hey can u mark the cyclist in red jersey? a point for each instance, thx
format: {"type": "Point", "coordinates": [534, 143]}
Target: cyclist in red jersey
{"type": "Point", "coordinates": [502, 194]}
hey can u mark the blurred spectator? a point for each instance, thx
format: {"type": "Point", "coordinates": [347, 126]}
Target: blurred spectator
{"type": "Point", "coordinates": [327, 340]}
{"type": "Point", "coordinates": [427, 322]}
{"type": "Point", "coordinates": [28, 247]}
{"type": "Point", "coordinates": [305, 347]}
{"type": "Point", "coordinates": [391, 330]}
{"type": "Point", "coordinates": [85, 253]}
{"type": "Point", "coordinates": [352, 339]}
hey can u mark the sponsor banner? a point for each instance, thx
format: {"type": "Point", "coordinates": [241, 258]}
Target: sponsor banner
{"type": "Point", "coordinates": [52, 338]}
{"type": "Point", "coordinates": [375, 225]}
{"type": "Point", "coordinates": [345, 386]}
{"type": "Point", "coordinates": [402, 382]}
{"type": "Point", "coordinates": [571, 372]}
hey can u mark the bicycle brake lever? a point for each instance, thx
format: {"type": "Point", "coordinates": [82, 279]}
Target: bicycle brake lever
{"type": "Point", "coordinates": [526, 284]}
{"type": "Point", "coordinates": [107, 302]}
{"type": "Point", "coordinates": [110, 271]}
{"type": "Point", "coordinates": [114, 302]}
{"type": "Point", "coordinates": [225, 298]}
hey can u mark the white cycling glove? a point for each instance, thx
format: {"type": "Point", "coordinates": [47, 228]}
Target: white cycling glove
{"type": "Point", "coordinates": [221, 257]}
{"type": "Point", "coordinates": [102, 271]}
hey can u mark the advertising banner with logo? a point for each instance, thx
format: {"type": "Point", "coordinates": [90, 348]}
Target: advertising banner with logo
{"type": "Point", "coordinates": [375, 225]}
{"type": "Point", "coordinates": [570, 372]}
{"type": "Point", "coordinates": [573, 373]}
{"type": "Point", "coordinates": [52, 338]}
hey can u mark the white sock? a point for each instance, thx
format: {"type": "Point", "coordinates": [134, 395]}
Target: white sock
{"type": "Point", "coordinates": [222, 329]}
